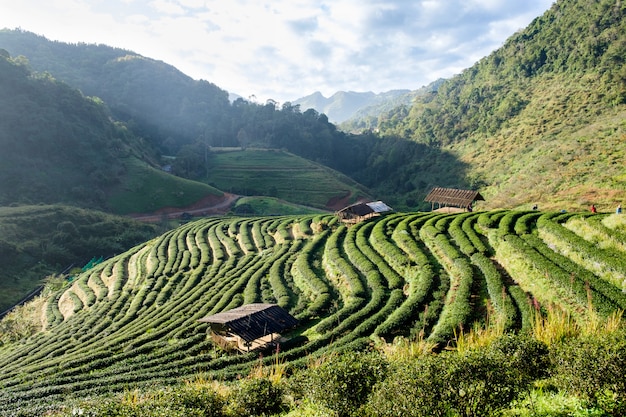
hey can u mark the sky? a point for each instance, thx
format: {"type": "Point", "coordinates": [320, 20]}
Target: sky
{"type": "Point", "coordinates": [286, 49]}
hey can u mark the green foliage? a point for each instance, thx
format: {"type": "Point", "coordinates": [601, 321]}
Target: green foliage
{"type": "Point", "coordinates": [536, 113]}
{"type": "Point", "coordinates": [413, 388]}
{"type": "Point", "coordinates": [343, 382]}
{"type": "Point", "coordinates": [36, 241]}
{"type": "Point", "coordinates": [475, 383]}
{"type": "Point", "coordinates": [132, 321]}
{"type": "Point", "coordinates": [56, 145]}
{"type": "Point", "coordinates": [592, 368]}
{"type": "Point", "coordinates": [256, 397]}
{"type": "Point", "coordinates": [192, 401]}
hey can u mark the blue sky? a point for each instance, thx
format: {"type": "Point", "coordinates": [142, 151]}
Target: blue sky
{"type": "Point", "coordinates": [286, 49]}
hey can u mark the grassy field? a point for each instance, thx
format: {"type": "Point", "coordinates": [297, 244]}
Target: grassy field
{"type": "Point", "coordinates": [283, 175]}
{"type": "Point", "coordinates": [148, 189]}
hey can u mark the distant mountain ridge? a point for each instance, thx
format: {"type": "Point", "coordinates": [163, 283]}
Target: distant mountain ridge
{"type": "Point", "coordinates": [343, 105]}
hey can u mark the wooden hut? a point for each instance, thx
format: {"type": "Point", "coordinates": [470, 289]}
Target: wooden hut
{"type": "Point", "coordinates": [453, 197]}
{"type": "Point", "coordinates": [362, 211]}
{"type": "Point", "coordinates": [249, 327]}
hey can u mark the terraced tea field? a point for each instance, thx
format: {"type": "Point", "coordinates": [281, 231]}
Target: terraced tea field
{"type": "Point", "coordinates": [280, 174]}
{"type": "Point", "coordinates": [132, 321]}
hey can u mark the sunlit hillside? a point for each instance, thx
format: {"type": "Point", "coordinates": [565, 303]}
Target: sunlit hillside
{"type": "Point", "coordinates": [541, 119]}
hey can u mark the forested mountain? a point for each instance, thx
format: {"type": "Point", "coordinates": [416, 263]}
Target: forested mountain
{"type": "Point", "coordinates": [160, 103]}
{"type": "Point", "coordinates": [540, 119]}
{"type": "Point", "coordinates": [55, 144]}
{"type": "Point", "coordinates": [58, 146]}
{"type": "Point", "coordinates": [380, 165]}
{"type": "Point", "coordinates": [368, 117]}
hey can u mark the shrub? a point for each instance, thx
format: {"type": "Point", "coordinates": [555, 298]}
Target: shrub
{"type": "Point", "coordinates": [256, 397]}
{"type": "Point", "coordinates": [342, 383]}
{"type": "Point", "coordinates": [187, 401]}
{"type": "Point", "coordinates": [474, 383]}
{"type": "Point", "coordinates": [528, 356]}
{"type": "Point", "coordinates": [593, 369]}
{"type": "Point", "coordinates": [480, 383]}
{"type": "Point", "coordinates": [413, 389]}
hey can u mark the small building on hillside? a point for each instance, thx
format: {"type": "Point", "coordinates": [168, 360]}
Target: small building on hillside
{"type": "Point", "coordinates": [453, 197]}
{"type": "Point", "coordinates": [250, 327]}
{"type": "Point", "coordinates": [362, 211]}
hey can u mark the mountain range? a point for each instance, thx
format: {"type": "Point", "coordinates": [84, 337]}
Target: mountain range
{"type": "Point", "coordinates": [344, 105]}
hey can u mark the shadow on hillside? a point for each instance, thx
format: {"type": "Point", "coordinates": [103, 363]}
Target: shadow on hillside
{"type": "Point", "coordinates": [405, 171]}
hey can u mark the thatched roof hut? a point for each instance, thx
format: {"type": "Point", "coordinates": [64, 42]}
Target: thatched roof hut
{"type": "Point", "coordinates": [249, 327]}
{"type": "Point", "coordinates": [453, 197]}
{"type": "Point", "coordinates": [363, 211]}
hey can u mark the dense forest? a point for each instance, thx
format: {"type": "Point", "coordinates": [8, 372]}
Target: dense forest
{"type": "Point", "coordinates": [571, 40]}
{"type": "Point", "coordinates": [536, 113]}
{"type": "Point", "coordinates": [52, 136]}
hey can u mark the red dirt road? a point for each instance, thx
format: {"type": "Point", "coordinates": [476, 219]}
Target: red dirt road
{"type": "Point", "coordinates": [207, 206]}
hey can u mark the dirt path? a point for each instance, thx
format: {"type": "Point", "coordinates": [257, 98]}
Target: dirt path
{"type": "Point", "coordinates": [208, 205]}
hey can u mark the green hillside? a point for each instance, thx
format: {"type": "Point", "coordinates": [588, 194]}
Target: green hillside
{"type": "Point", "coordinates": [145, 189]}
{"type": "Point", "coordinates": [157, 100]}
{"type": "Point", "coordinates": [132, 321]}
{"type": "Point", "coordinates": [58, 146]}
{"type": "Point", "coordinates": [275, 173]}
{"type": "Point", "coordinates": [179, 117]}
{"type": "Point", "coordinates": [540, 120]}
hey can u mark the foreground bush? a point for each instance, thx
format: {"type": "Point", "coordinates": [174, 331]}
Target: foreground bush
{"type": "Point", "coordinates": [519, 376]}
{"type": "Point", "coordinates": [593, 368]}
{"type": "Point", "coordinates": [474, 383]}
{"type": "Point", "coordinates": [256, 397]}
{"type": "Point", "coordinates": [342, 383]}
{"type": "Point", "coordinates": [187, 401]}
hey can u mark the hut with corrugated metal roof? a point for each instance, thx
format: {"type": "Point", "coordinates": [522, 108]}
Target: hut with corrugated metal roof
{"type": "Point", "coordinates": [453, 197]}
{"type": "Point", "coordinates": [362, 211]}
{"type": "Point", "coordinates": [250, 327]}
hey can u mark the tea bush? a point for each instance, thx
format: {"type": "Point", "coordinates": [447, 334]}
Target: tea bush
{"type": "Point", "coordinates": [342, 383]}
{"type": "Point", "coordinates": [255, 397]}
{"type": "Point", "coordinates": [593, 368]}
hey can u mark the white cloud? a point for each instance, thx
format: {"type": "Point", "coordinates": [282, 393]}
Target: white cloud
{"type": "Point", "coordinates": [286, 49]}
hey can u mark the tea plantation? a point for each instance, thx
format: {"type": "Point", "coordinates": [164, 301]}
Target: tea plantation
{"type": "Point", "coordinates": [132, 321]}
